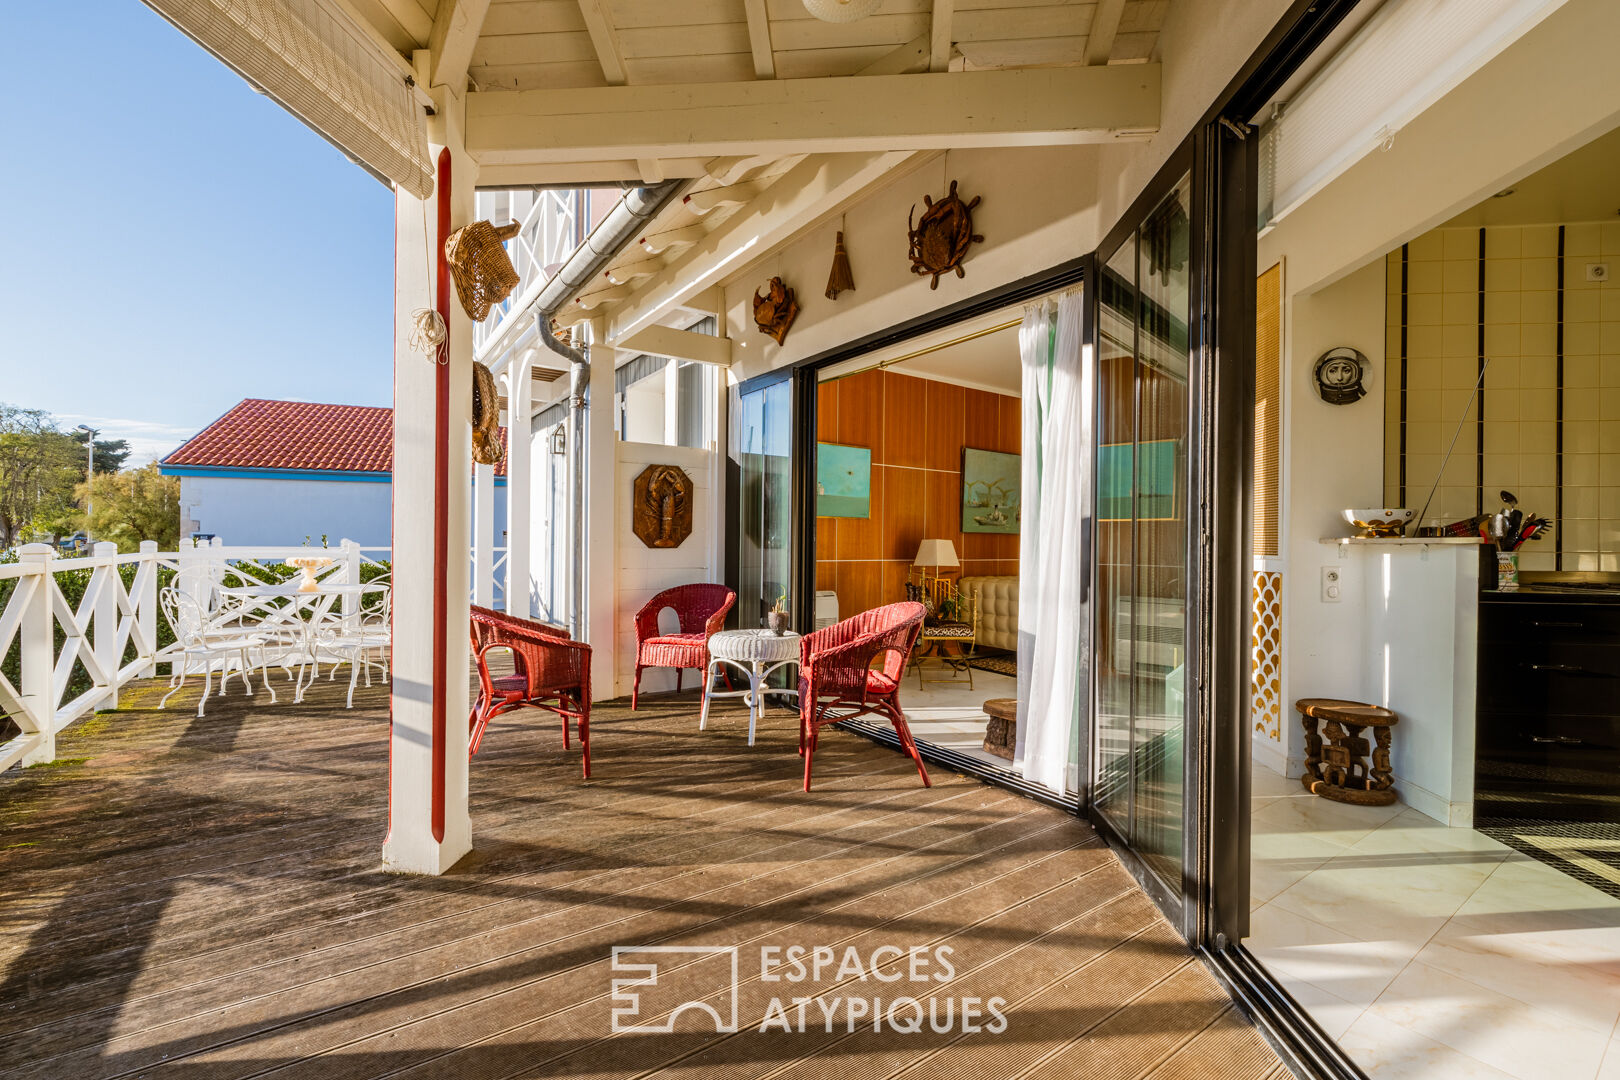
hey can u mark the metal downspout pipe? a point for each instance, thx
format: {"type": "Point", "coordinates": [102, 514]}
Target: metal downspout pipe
{"type": "Point", "coordinates": [604, 243]}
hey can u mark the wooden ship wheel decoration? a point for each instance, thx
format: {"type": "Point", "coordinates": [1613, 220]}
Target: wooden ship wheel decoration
{"type": "Point", "coordinates": [661, 506]}
{"type": "Point", "coordinates": [775, 311]}
{"type": "Point", "coordinates": [941, 237]}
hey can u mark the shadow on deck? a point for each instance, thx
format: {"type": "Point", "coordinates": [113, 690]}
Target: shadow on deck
{"type": "Point", "coordinates": [202, 898]}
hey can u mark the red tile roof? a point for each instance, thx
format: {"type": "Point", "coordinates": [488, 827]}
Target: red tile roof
{"type": "Point", "coordinates": [297, 435]}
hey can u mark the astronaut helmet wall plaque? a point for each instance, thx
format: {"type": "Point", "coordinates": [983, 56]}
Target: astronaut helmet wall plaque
{"type": "Point", "coordinates": [1341, 376]}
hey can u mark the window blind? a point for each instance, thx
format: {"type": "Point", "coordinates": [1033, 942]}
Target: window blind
{"type": "Point", "coordinates": [1407, 56]}
{"type": "Point", "coordinates": [319, 66]}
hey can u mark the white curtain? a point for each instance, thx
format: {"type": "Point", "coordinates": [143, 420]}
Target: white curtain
{"type": "Point", "coordinates": [1050, 569]}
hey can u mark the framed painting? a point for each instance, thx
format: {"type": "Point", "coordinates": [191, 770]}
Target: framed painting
{"type": "Point", "coordinates": [843, 481]}
{"type": "Point", "coordinates": [990, 491]}
{"type": "Point", "coordinates": [1155, 484]}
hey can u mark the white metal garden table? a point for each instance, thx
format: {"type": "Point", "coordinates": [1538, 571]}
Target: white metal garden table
{"type": "Point", "coordinates": [760, 654]}
{"type": "Point", "coordinates": [259, 601]}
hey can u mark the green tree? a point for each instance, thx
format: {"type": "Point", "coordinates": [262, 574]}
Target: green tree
{"type": "Point", "coordinates": [39, 466]}
{"type": "Point", "coordinates": [110, 453]}
{"type": "Point", "coordinates": [135, 505]}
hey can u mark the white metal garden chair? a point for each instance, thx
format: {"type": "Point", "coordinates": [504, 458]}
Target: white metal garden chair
{"type": "Point", "coordinates": [204, 645]}
{"type": "Point", "coordinates": [361, 640]}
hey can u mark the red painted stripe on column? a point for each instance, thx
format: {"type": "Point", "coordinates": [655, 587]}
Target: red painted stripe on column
{"type": "Point", "coordinates": [441, 496]}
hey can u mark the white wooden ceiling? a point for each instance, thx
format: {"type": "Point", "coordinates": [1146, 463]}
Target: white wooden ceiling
{"type": "Point", "coordinates": [548, 44]}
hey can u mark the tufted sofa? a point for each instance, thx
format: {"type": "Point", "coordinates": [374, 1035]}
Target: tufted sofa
{"type": "Point", "coordinates": [997, 602]}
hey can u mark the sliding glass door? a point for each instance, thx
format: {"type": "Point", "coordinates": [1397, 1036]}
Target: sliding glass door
{"type": "Point", "coordinates": [764, 449]}
{"type": "Point", "coordinates": [1144, 415]}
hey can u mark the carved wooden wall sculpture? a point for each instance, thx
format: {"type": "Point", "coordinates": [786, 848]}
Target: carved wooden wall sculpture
{"type": "Point", "coordinates": [775, 311]}
{"type": "Point", "coordinates": [941, 237]}
{"type": "Point", "coordinates": [661, 506]}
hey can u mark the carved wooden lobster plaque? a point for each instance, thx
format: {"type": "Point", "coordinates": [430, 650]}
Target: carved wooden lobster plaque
{"type": "Point", "coordinates": [661, 506]}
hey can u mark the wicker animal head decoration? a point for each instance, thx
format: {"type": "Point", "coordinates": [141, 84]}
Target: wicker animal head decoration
{"type": "Point", "coordinates": [941, 237]}
{"type": "Point", "coordinates": [775, 311]}
{"type": "Point", "coordinates": [479, 266]}
{"type": "Point", "coordinates": [486, 417]}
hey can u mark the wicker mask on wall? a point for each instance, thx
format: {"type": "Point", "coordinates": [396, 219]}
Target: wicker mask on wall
{"type": "Point", "coordinates": [486, 417]}
{"type": "Point", "coordinates": [479, 266]}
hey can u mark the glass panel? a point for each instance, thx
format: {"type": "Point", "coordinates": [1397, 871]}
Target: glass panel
{"type": "Point", "coordinates": [1116, 432]}
{"type": "Point", "coordinates": [766, 500]}
{"type": "Point", "coordinates": [1158, 667]}
{"type": "Point", "coordinates": [1143, 410]}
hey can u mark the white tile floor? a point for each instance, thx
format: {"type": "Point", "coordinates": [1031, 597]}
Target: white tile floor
{"type": "Point", "coordinates": [947, 713]}
{"type": "Point", "coordinates": [1431, 952]}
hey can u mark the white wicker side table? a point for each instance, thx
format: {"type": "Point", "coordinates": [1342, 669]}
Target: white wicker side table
{"type": "Point", "coordinates": [759, 653]}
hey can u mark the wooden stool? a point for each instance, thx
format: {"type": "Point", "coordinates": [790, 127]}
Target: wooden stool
{"type": "Point", "coordinates": [1001, 731]}
{"type": "Point", "coordinates": [1338, 769]}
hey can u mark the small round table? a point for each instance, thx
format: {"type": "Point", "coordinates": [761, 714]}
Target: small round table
{"type": "Point", "coordinates": [759, 653]}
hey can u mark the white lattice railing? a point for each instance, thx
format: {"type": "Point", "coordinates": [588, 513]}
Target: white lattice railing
{"type": "Point", "coordinates": [96, 635]}
{"type": "Point", "coordinates": [112, 634]}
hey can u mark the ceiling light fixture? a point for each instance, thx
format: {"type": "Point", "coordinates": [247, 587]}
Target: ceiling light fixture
{"type": "Point", "coordinates": [841, 11]}
{"type": "Point", "coordinates": [1504, 193]}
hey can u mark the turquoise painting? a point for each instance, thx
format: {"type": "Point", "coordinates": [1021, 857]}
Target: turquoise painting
{"type": "Point", "coordinates": [843, 481]}
{"type": "Point", "coordinates": [1155, 487]}
{"type": "Point", "coordinates": [990, 492]}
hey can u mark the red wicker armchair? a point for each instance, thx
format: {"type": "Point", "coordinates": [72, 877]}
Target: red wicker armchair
{"type": "Point", "coordinates": [837, 680]}
{"type": "Point", "coordinates": [552, 672]}
{"type": "Point", "coordinates": [701, 610]}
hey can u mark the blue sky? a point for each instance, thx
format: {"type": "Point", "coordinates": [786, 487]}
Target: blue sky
{"type": "Point", "coordinates": [173, 241]}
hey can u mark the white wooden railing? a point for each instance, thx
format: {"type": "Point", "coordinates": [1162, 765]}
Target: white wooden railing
{"type": "Point", "coordinates": [110, 618]}
{"type": "Point", "coordinates": [96, 635]}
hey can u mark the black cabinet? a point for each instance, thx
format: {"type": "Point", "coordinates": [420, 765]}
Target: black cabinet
{"type": "Point", "coordinates": [1548, 737]}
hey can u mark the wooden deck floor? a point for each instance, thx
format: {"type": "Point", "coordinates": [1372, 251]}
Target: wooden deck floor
{"type": "Point", "coordinates": [201, 898]}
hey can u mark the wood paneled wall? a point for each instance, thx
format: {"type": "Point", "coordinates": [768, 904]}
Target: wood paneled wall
{"type": "Point", "coordinates": [916, 429]}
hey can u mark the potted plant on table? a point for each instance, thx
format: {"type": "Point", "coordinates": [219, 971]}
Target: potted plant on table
{"type": "Point", "coordinates": [777, 618]}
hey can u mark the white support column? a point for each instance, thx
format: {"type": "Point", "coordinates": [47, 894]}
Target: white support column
{"type": "Point", "coordinates": [105, 640]}
{"type": "Point", "coordinates": [601, 524]}
{"type": "Point", "coordinates": [428, 825]}
{"type": "Point", "coordinates": [37, 639]}
{"type": "Point", "coordinates": [672, 403]}
{"type": "Point", "coordinates": [519, 485]}
{"type": "Point", "coordinates": [484, 535]}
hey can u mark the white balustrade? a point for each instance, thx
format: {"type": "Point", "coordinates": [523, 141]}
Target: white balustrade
{"type": "Point", "coordinates": [113, 632]}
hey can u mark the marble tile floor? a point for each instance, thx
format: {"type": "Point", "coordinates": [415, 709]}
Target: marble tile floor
{"type": "Point", "coordinates": [947, 713]}
{"type": "Point", "coordinates": [1432, 952]}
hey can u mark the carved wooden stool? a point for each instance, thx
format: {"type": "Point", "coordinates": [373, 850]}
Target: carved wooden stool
{"type": "Point", "coordinates": [1336, 757]}
{"type": "Point", "coordinates": [1000, 732]}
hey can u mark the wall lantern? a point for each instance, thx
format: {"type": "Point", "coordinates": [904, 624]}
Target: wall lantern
{"type": "Point", "coordinates": [559, 440]}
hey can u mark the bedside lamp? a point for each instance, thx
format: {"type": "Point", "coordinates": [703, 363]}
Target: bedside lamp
{"type": "Point", "coordinates": [938, 554]}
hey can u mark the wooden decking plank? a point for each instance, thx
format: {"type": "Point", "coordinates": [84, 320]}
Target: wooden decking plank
{"type": "Point", "coordinates": [653, 851]}
{"type": "Point", "coordinates": [556, 968]}
{"type": "Point", "coordinates": [1132, 1043]}
{"type": "Point", "coordinates": [349, 994]}
{"type": "Point", "coordinates": [982, 928]}
{"type": "Point", "coordinates": [257, 937]}
{"type": "Point", "coordinates": [351, 955]}
{"type": "Point", "coordinates": [1097, 926]}
{"type": "Point", "coordinates": [1229, 1047]}
{"type": "Point", "coordinates": [977, 885]}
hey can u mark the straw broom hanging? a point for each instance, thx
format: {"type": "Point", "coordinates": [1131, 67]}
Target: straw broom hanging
{"type": "Point", "coordinates": [840, 278]}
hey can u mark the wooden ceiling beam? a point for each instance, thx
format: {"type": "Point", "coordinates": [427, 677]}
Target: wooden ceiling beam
{"type": "Point", "coordinates": [759, 39]}
{"type": "Point", "coordinates": [455, 34]}
{"type": "Point", "coordinates": [783, 117]}
{"type": "Point", "coordinates": [1104, 29]}
{"type": "Point", "coordinates": [908, 59]}
{"type": "Point", "coordinates": [939, 35]}
{"type": "Point", "coordinates": [605, 39]}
